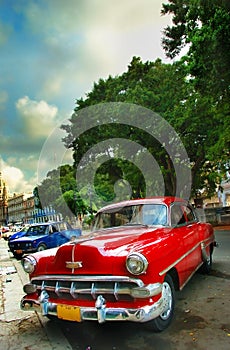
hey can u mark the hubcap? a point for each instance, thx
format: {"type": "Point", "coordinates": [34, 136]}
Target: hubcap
{"type": "Point", "coordinates": [167, 299]}
{"type": "Point", "coordinates": [41, 248]}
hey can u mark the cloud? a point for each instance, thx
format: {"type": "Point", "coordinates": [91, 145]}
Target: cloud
{"type": "Point", "coordinates": [15, 178]}
{"type": "Point", "coordinates": [38, 118]}
{"type": "Point", "coordinates": [80, 42]}
{"type": "Point", "coordinates": [27, 162]}
{"type": "Point", "coordinates": [53, 154]}
{"type": "Point", "coordinates": [78, 16]}
{"type": "Point", "coordinates": [56, 51]}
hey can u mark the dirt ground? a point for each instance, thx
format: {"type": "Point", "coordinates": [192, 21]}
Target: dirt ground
{"type": "Point", "coordinates": [202, 317]}
{"type": "Point", "coordinates": [201, 322]}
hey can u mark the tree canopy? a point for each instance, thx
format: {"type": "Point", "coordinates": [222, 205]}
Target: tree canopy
{"type": "Point", "coordinates": [59, 189]}
{"type": "Point", "coordinates": [191, 94]}
{"type": "Point", "coordinates": [204, 28]}
{"type": "Point", "coordinates": [167, 90]}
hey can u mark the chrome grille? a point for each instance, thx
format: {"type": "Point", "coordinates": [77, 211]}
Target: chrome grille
{"type": "Point", "coordinates": [113, 288]}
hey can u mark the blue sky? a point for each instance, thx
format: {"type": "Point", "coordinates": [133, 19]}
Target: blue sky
{"type": "Point", "coordinates": [52, 52]}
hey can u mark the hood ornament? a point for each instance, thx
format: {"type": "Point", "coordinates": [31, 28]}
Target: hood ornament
{"type": "Point", "coordinates": [73, 264]}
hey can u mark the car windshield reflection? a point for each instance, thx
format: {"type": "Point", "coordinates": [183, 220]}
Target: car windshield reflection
{"type": "Point", "coordinates": [144, 214]}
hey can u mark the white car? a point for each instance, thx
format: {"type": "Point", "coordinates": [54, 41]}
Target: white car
{"type": "Point", "coordinates": [8, 232]}
{"type": "Point", "coordinates": [4, 231]}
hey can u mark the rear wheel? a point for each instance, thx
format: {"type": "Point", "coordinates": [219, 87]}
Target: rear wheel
{"type": "Point", "coordinates": [207, 265]}
{"type": "Point", "coordinates": [168, 293]}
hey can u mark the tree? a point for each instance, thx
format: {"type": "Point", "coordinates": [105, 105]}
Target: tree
{"type": "Point", "coordinates": [153, 85]}
{"type": "Point", "coordinates": [204, 28]}
{"type": "Point", "coordinates": [167, 90]}
{"type": "Point", "coordinates": [59, 190]}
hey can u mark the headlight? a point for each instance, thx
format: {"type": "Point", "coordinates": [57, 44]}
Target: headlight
{"type": "Point", "coordinates": [29, 288]}
{"type": "Point", "coordinates": [29, 263]}
{"type": "Point", "coordinates": [136, 263]}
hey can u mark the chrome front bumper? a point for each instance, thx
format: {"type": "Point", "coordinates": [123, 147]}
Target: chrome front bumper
{"type": "Point", "coordinates": [100, 312]}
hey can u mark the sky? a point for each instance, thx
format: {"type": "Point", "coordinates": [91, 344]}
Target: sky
{"type": "Point", "coordinates": [51, 54]}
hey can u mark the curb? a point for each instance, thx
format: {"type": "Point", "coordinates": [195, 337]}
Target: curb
{"type": "Point", "coordinates": [222, 228]}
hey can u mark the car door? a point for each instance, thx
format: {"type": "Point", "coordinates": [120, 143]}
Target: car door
{"type": "Point", "coordinates": [54, 235]}
{"type": "Point", "coordinates": [66, 232]}
{"type": "Point", "coordinates": [186, 228]}
{"type": "Point", "coordinates": [62, 228]}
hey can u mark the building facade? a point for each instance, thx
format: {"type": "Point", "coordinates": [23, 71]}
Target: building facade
{"type": "Point", "coordinates": [21, 208]}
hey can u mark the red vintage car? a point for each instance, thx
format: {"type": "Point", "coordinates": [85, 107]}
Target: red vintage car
{"type": "Point", "coordinates": [126, 269]}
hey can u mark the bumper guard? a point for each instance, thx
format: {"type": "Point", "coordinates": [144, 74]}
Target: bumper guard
{"type": "Point", "coordinates": [100, 312]}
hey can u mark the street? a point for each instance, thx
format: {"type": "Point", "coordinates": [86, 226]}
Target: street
{"type": "Point", "coordinates": [202, 318]}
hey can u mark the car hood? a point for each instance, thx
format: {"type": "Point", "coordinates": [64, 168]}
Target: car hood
{"type": "Point", "coordinates": [16, 235]}
{"type": "Point", "coordinates": [100, 251]}
{"type": "Point", "coordinates": [26, 239]}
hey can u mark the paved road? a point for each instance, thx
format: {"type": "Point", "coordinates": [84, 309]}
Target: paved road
{"type": "Point", "coordinates": [202, 318]}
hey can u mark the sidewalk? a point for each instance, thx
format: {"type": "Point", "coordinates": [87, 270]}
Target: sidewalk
{"type": "Point", "coordinates": [19, 329]}
{"type": "Point", "coordinates": [222, 227]}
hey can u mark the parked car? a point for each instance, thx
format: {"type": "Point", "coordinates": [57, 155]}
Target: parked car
{"type": "Point", "coordinates": [20, 233]}
{"type": "Point", "coordinates": [4, 231]}
{"type": "Point", "coordinates": [127, 269]}
{"type": "Point", "coordinates": [11, 232]}
{"type": "Point", "coordinates": [16, 226]}
{"type": "Point", "coordinates": [42, 236]}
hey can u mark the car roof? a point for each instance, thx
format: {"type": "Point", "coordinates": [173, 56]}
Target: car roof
{"type": "Point", "coordinates": [46, 223]}
{"type": "Point", "coordinates": [150, 200]}
{"type": "Point", "coordinates": [39, 224]}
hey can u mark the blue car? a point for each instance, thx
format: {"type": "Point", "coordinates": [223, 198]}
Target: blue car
{"type": "Point", "coordinates": [43, 236]}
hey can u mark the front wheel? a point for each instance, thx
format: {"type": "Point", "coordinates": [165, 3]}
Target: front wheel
{"type": "Point", "coordinates": [41, 247]}
{"type": "Point", "coordinates": [17, 256]}
{"type": "Point", "coordinates": [168, 294]}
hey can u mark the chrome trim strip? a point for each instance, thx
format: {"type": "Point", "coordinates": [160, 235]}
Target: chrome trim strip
{"type": "Point", "coordinates": [190, 276]}
{"type": "Point", "coordinates": [181, 258]}
{"type": "Point", "coordinates": [73, 248]}
{"type": "Point", "coordinates": [87, 278]}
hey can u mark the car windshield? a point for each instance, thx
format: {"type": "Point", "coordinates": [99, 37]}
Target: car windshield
{"type": "Point", "coordinates": [142, 214]}
{"type": "Point", "coordinates": [38, 230]}
{"type": "Point", "coordinates": [24, 229]}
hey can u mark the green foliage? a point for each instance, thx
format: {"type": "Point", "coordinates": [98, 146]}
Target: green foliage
{"type": "Point", "coordinates": [204, 27]}
{"type": "Point", "coordinates": [59, 190]}
{"type": "Point", "coordinates": [192, 94]}
{"type": "Point", "coordinates": [154, 85]}
{"type": "Point", "coordinates": [168, 90]}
